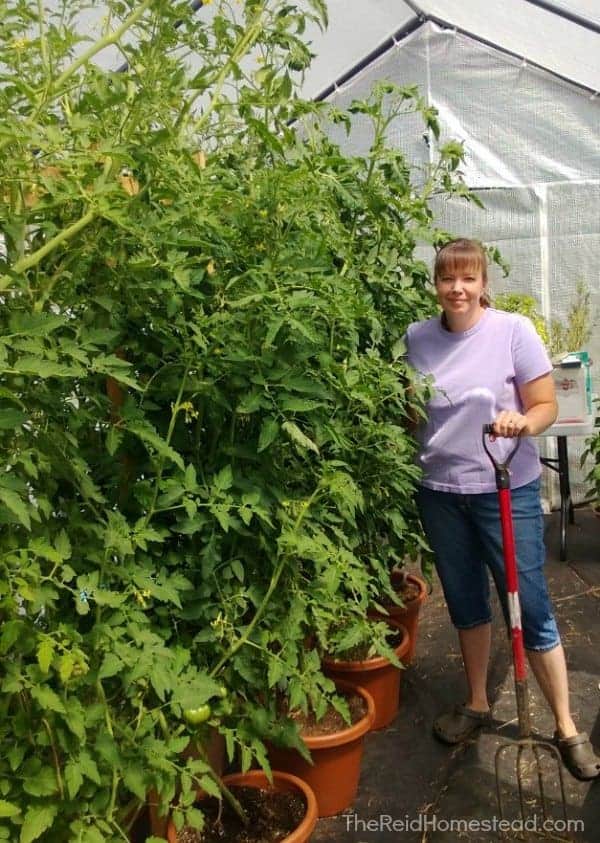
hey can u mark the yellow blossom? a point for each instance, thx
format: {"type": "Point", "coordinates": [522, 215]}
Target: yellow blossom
{"type": "Point", "coordinates": [189, 410]}
{"type": "Point", "coordinates": [20, 43]}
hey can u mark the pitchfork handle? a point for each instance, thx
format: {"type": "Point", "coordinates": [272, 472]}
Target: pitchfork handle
{"type": "Point", "coordinates": [501, 468]}
{"type": "Point", "coordinates": [512, 582]}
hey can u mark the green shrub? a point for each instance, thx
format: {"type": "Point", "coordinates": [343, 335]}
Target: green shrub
{"type": "Point", "coordinates": [526, 306]}
{"type": "Point", "coordinates": [558, 336]}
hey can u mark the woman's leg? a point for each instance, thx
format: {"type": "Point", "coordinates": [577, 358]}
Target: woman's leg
{"type": "Point", "coordinates": [550, 670]}
{"type": "Point", "coordinates": [458, 557]}
{"type": "Point", "coordinates": [577, 752]}
{"type": "Point", "coordinates": [475, 649]}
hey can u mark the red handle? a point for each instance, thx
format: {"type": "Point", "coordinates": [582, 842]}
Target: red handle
{"type": "Point", "coordinates": [512, 583]}
{"type": "Point", "coordinates": [510, 557]}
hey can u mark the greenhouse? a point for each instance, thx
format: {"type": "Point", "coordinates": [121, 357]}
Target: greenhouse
{"type": "Point", "coordinates": [300, 419]}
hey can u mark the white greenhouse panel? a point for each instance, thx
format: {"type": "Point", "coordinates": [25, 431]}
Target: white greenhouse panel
{"type": "Point", "coordinates": [589, 9]}
{"type": "Point", "coordinates": [356, 28]}
{"type": "Point", "coordinates": [407, 132]}
{"type": "Point", "coordinates": [519, 125]}
{"type": "Point", "coordinates": [538, 35]}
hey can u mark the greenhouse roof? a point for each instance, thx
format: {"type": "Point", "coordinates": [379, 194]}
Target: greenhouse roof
{"type": "Point", "coordinates": [562, 36]}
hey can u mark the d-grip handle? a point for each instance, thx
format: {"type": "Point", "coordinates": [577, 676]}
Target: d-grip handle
{"type": "Point", "coordinates": [501, 468]}
{"type": "Point", "coordinates": [489, 429]}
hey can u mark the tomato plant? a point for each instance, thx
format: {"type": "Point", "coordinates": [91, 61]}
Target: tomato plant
{"type": "Point", "coordinates": [202, 394]}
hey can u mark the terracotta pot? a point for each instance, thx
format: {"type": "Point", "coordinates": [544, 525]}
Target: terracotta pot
{"type": "Point", "coordinates": [335, 771]}
{"type": "Point", "coordinates": [281, 782]}
{"type": "Point", "coordinates": [216, 757]}
{"type": "Point", "coordinates": [409, 614]}
{"type": "Point", "coordinates": [377, 675]}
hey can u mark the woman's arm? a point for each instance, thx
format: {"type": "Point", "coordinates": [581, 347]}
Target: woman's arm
{"type": "Point", "coordinates": [541, 409]}
{"type": "Point", "coordinates": [539, 403]}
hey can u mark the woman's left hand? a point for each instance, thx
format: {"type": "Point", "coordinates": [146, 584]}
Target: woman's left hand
{"type": "Point", "coordinates": [509, 424]}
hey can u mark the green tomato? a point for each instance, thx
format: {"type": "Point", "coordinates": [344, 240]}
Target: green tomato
{"type": "Point", "coordinates": [195, 716]}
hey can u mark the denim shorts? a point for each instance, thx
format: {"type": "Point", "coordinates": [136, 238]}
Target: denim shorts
{"type": "Point", "coordinates": [465, 535]}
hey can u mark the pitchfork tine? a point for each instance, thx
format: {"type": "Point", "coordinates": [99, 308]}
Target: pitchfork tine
{"type": "Point", "coordinates": [536, 747]}
{"type": "Point", "coordinates": [536, 750]}
{"type": "Point", "coordinates": [520, 781]}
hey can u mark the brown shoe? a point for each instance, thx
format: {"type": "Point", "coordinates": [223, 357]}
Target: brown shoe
{"type": "Point", "coordinates": [459, 725]}
{"type": "Point", "coordinates": [578, 756]}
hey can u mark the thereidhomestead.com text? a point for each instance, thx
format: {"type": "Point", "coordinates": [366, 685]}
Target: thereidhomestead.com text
{"type": "Point", "coordinates": [431, 822]}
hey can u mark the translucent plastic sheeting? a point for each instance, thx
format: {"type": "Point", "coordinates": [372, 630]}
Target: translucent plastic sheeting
{"type": "Point", "coordinates": [522, 28]}
{"type": "Point", "coordinates": [589, 9]}
{"type": "Point", "coordinates": [574, 249]}
{"type": "Point", "coordinates": [356, 28]}
{"type": "Point", "coordinates": [519, 125]}
{"type": "Point", "coordinates": [406, 133]}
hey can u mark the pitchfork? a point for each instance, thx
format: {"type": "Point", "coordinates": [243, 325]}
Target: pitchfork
{"type": "Point", "coordinates": [525, 741]}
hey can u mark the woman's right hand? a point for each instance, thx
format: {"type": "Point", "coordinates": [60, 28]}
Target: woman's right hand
{"type": "Point", "coordinates": [509, 424]}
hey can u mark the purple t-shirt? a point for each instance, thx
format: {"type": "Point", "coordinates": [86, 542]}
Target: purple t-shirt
{"type": "Point", "coordinates": [476, 374]}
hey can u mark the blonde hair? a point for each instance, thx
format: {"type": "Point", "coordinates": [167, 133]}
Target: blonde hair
{"type": "Point", "coordinates": [463, 255]}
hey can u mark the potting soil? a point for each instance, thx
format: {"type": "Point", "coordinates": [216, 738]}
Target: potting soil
{"type": "Point", "coordinates": [407, 591]}
{"type": "Point", "coordinates": [332, 721]}
{"type": "Point", "coordinates": [272, 817]}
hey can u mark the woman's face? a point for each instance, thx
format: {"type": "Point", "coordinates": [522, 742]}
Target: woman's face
{"type": "Point", "coordinates": [459, 290]}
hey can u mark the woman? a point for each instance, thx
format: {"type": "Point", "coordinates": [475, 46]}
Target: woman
{"type": "Point", "coordinates": [488, 366]}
